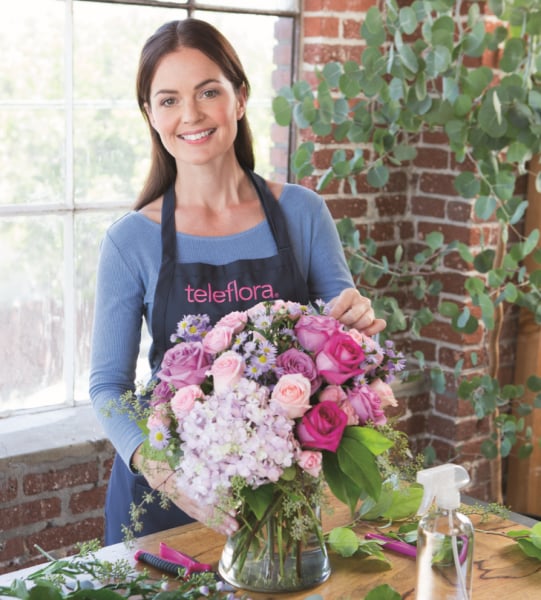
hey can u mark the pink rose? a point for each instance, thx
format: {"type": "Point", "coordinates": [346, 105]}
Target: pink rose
{"type": "Point", "coordinates": [295, 361]}
{"type": "Point", "coordinates": [385, 393]}
{"type": "Point", "coordinates": [218, 339]}
{"type": "Point", "coordinates": [322, 427]}
{"type": "Point", "coordinates": [314, 330]}
{"type": "Point", "coordinates": [340, 358]}
{"type": "Point", "coordinates": [332, 393]}
{"type": "Point", "coordinates": [310, 461]}
{"type": "Point", "coordinates": [235, 320]}
{"type": "Point", "coordinates": [183, 401]}
{"type": "Point", "coordinates": [227, 371]}
{"type": "Point", "coordinates": [367, 405]}
{"type": "Point", "coordinates": [292, 392]}
{"type": "Point", "coordinates": [372, 349]}
{"type": "Point", "coordinates": [349, 411]}
{"type": "Point", "coordinates": [157, 421]}
{"type": "Point", "coordinates": [184, 364]}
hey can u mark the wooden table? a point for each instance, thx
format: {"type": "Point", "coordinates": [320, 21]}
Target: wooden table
{"type": "Point", "coordinates": [501, 570]}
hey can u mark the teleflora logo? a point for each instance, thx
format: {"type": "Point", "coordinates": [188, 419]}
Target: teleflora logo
{"type": "Point", "coordinates": [232, 293]}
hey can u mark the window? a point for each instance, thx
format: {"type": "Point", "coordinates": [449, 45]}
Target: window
{"type": "Point", "coordinates": [73, 154]}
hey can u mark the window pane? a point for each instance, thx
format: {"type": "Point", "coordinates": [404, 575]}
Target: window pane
{"type": "Point", "coordinates": [31, 308]}
{"type": "Point", "coordinates": [32, 155]}
{"type": "Point", "coordinates": [89, 230]}
{"type": "Point", "coordinates": [31, 103]}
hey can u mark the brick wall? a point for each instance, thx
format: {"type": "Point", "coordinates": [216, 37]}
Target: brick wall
{"type": "Point", "coordinates": [53, 499]}
{"type": "Point", "coordinates": [418, 199]}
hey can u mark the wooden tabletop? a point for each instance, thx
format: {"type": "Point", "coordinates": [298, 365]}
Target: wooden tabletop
{"type": "Point", "coordinates": [501, 570]}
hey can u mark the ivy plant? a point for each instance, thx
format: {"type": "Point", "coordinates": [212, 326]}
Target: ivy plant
{"type": "Point", "coordinates": [422, 70]}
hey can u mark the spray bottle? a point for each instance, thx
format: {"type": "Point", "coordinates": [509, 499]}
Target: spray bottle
{"type": "Point", "coordinates": [445, 536]}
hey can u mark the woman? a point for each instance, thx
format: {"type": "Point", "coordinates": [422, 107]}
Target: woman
{"type": "Point", "coordinates": [207, 236]}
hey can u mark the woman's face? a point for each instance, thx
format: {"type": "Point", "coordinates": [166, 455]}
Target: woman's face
{"type": "Point", "coordinates": [194, 107]}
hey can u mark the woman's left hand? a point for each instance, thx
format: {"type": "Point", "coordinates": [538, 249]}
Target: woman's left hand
{"type": "Point", "coordinates": [355, 311]}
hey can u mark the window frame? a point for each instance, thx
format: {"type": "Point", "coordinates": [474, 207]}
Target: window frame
{"type": "Point", "coordinates": [69, 208]}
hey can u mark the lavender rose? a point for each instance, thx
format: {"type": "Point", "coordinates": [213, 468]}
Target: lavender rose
{"type": "Point", "coordinates": [295, 361]}
{"type": "Point", "coordinates": [367, 405]}
{"type": "Point", "coordinates": [184, 364]}
{"type": "Point", "coordinates": [340, 358]}
{"type": "Point", "coordinates": [322, 427]}
{"type": "Point", "coordinates": [314, 330]}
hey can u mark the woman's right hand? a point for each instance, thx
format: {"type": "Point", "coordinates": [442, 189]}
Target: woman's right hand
{"type": "Point", "coordinates": [161, 477]}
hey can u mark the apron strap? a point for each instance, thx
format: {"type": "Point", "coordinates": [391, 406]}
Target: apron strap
{"type": "Point", "coordinates": [165, 279]}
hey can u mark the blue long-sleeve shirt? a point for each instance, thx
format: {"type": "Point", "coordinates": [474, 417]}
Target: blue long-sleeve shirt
{"type": "Point", "coordinates": [128, 270]}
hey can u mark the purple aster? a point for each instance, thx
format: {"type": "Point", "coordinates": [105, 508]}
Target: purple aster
{"type": "Point", "coordinates": [159, 437]}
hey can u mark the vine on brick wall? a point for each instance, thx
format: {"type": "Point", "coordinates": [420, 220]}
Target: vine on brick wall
{"type": "Point", "coordinates": [422, 71]}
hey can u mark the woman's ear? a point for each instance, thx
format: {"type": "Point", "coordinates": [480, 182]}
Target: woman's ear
{"type": "Point", "coordinates": [242, 99]}
{"type": "Point", "coordinates": [148, 110]}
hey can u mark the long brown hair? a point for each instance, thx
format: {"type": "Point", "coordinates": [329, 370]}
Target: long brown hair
{"type": "Point", "coordinates": [200, 35]}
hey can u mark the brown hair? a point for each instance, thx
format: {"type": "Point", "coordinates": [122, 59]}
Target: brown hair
{"type": "Point", "coordinates": [200, 35]}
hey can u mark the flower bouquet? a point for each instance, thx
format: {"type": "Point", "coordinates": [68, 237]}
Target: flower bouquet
{"type": "Point", "coordinates": [257, 414]}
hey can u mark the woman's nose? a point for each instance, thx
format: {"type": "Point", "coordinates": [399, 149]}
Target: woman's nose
{"type": "Point", "coordinates": [190, 111]}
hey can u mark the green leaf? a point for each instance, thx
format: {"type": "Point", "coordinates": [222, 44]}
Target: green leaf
{"type": "Point", "coordinates": [448, 309]}
{"type": "Point", "coordinates": [484, 260]}
{"type": "Point", "coordinates": [513, 53]}
{"type": "Point", "coordinates": [490, 120]}
{"type": "Point", "coordinates": [485, 207]}
{"type": "Point", "coordinates": [342, 486]}
{"type": "Point", "coordinates": [383, 592]}
{"type": "Point", "coordinates": [258, 499]}
{"type": "Point", "coordinates": [332, 72]}
{"type": "Point", "coordinates": [359, 464]}
{"type": "Point", "coordinates": [467, 184]}
{"type": "Point", "coordinates": [44, 592]}
{"type": "Point", "coordinates": [437, 379]}
{"type": "Point", "coordinates": [377, 176]}
{"type": "Point", "coordinates": [408, 20]}
{"type": "Point", "coordinates": [372, 30]}
{"type": "Point", "coordinates": [372, 439]}
{"type": "Point", "coordinates": [282, 111]}
{"type": "Point", "coordinates": [343, 541]}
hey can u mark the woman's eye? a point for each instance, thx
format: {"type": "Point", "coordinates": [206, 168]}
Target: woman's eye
{"type": "Point", "coordinates": [168, 102]}
{"type": "Point", "coordinates": [210, 93]}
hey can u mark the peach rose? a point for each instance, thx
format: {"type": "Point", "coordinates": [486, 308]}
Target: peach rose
{"type": "Point", "coordinates": [227, 371]}
{"type": "Point", "coordinates": [292, 392]}
{"type": "Point", "coordinates": [385, 393]}
{"type": "Point", "coordinates": [184, 399]}
{"type": "Point", "coordinates": [218, 339]}
{"type": "Point", "coordinates": [310, 461]}
{"type": "Point", "coordinates": [235, 320]}
{"type": "Point", "coordinates": [332, 393]}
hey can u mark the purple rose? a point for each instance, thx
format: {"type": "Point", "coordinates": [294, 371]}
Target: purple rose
{"type": "Point", "coordinates": [314, 330]}
{"type": "Point", "coordinates": [162, 393]}
{"type": "Point", "coordinates": [184, 364]}
{"type": "Point", "coordinates": [322, 427]}
{"type": "Point", "coordinates": [367, 405]}
{"type": "Point", "coordinates": [340, 359]}
{"type": "Point", "coordinates": [295, 361]}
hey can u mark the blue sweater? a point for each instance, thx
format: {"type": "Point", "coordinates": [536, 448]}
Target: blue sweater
{"type": "Point", "coordinates": [126, 280]}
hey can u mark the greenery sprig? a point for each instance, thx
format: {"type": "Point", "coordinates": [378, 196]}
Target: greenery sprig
{"type": "Point", "coordinates": [86, 577]}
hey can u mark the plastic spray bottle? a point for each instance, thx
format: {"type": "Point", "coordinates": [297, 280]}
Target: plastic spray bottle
{"type": "Point", "coordinates": [445, 536]}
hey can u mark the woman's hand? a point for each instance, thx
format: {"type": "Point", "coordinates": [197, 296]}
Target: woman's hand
{"type": "Point", "coordinates": [161, 477]}
{"type": "Point", "coordinates": [355, 311]}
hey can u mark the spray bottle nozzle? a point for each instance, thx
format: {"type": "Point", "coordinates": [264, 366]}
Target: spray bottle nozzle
{"type": "Point", "coordinates": [442, 483]}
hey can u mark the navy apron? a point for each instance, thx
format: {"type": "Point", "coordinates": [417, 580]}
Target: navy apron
{"type": "Point", "coordinates": [197, 288]}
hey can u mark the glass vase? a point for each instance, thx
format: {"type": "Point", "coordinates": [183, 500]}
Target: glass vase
{"type": "Point", "coordinates": [268, 556]}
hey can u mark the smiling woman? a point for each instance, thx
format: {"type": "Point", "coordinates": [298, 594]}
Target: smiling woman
{"type": "Point", "coordinates": [72, 158]}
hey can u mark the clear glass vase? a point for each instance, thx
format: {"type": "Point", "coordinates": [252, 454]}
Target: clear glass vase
{"type": "Point", "coordinates": [268, 557]}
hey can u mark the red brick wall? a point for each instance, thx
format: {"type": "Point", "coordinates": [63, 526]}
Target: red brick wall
{"type": "Point", "coordinates": [418, 199]}
{"type": "Point", "coordinates": [53, 500]}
